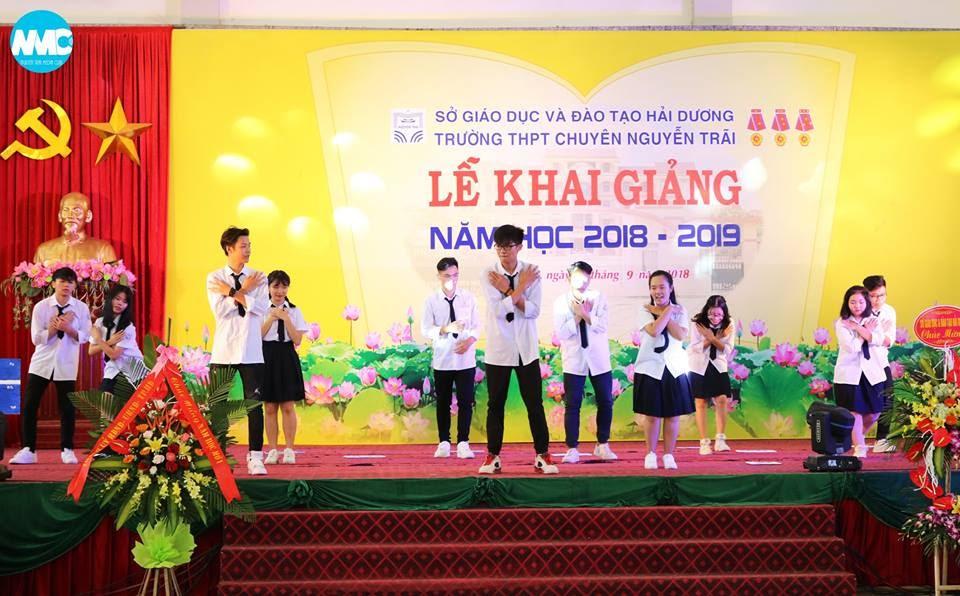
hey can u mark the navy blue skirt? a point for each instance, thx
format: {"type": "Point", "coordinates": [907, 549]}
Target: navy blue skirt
{"type": "Point", "coordinates": [710, 384]}
{"type": "Point", "coordinates": [282, 375]}
{"type": "Point", "coordinates": [669, 397]}
{"type": "Point", "coordinates": [862, 398]}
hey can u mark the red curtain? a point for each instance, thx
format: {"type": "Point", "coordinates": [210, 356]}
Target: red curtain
{"type": "Point", "coordinates": [129, 202]}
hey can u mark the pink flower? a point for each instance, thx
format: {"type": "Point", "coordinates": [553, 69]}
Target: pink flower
{"type": "Point", "coordinates": [786, 355]}
{"type": "Point", "coordinates": [806, 368]}
{"type": "Point", "coordinates": [313, 332]}
{"type": "Point", "coordinates": [393, 386]}
{"type": "Point", "coordinates": [821, 336]}
{"type": "Point", "coordinates": [555, 417]}
{"type": "Point", "coordinates": [555, 390]}
{"type": "Point", "coordinates": [351, 313]}
{"type": "Point", "coordinates": [347, 390]}
{"type": "Point", "coordinates": [903, 335]}
{"type": "Point", "coordinates": [630, 371]}
{"type": "Point", "coordinates": [368, 376]}
{"type": "Point", "coordinates": [319, 390]}
{"type": "Point", "coordinates": [616, 389]}
{"type": "Point", "coordinates": [426, 385]}
{"type": "Point", "coordinates": [454, 406]}
{"type": "Point", "coordinates": [196, 362]}
{"type": "Point", "coordinates": [732, 357]}
{"type": "Point", "coordinates": [740, 372]}
{"type": "Point", "coordinates": [897, 370]}
{"type": "Point", "coordinates": [545, 370]}
{"type": "Point", "coordinates": [381, 422]}
{"type": "Point", "coordinates": [739, 328]}
{"type": "Point", "coordinates": [23, 267]}
{"type": "Point", "coordinates": [555, 340]}
{"type": "Point", "coordinates": [819, 387]}
{"type": "Point", "coordinates": [636, 337]}
{"type": "Point", "coordinates": [758, 328]}
{"type": "Point", "coordinates": [407, 334]}
{"type": "Point", "coordinates": [399, 333]}
{"type": "Point", "coordinates": [373, 340]}
{"type": "Point", "coordinates": [478, 376]}
{"type": "Point", "coordinates": [130, 277]}
{"type": "Point", "coordinates": [205, 334]}
{"type": "Point", "coordinates": [411, 397]}
{"type": "Point", "coordinates": [410, 315]}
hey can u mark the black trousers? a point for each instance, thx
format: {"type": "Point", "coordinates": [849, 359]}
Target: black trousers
{"type": "Point", "coordinates": [883, 428]}
{"type": "Point", "coordinates": [531, 390]}
{"type": "Point", "coordinates": [36, 385]}
{"type": "Point", "coordinates": [443, 381]}
{"type": "Point", "coordinates": [252, 377]}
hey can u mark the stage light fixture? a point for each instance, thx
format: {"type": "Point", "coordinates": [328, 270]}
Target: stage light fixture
{"type": "Point", "coordinates": [830, 428]}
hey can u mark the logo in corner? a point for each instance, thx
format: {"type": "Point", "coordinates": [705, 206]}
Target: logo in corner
{"type": "Point", "coordinates": [407, 127]}
{"type": "Point", "coordinates": [41, 41]}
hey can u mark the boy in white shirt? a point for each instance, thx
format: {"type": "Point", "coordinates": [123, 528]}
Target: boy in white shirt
{"type": "Point", "coordinates": [239, 300]}
{"type": "Point", "coordinates": [513, 293]}
{"type": "Point", "coordinates": [886, 315]}
{"type": "Point", "coordinates": [452, 323]}
{"type": "Point", "coordinates": [60, 323]}
{"type": "Point", "coordinates": [580, 320]}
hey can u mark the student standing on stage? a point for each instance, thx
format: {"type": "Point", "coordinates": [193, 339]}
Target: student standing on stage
{"type": "Point", "coordinates": [238, 298]}
{"type": "Point", "coordinates": [283, 327]}
{"type": "Point", "coordinates": [512, 290]}
{"type": "Point", "coordinates": [452, 323]}
{"type": "Point", "coordinates": [858, 378]}
{"type": "Point", "coordinates": [661, 387]}
{"type": "Point", "coordinates": [580, 319]}
{"type": "Point", "coordinates": [115, 336]}
{"type": "Point", "coordinates": [711, 342]}
{"type": "Point", "coordinates": [59, 324]}
{"type": "Point", "coordinates": [877, 288]}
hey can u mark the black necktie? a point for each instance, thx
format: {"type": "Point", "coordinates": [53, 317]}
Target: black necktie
{"type": "Point", "coordinates": [713, 348]}
{"type": "Point", "coordinates": [60, 310]}
{"type": "Point", "coordinates": [236, 286]}
{"type": "Point", "coordinates": [865, 348]}
{"type": "Point", "coordinates": [281, 331]}
{"type": "Point", "coordinates": [511, 278]}
{"type": "Point", "coordinates": [108, 324]}
{"type": "Point", "coordinates": [584, 342]}
{"type": "Point", "coordinates": [453, 313]}
{"type": "Point", "coordinates": [666, 342]}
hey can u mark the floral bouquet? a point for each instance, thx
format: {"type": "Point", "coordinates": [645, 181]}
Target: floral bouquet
{"type": "Point", "coordinates": [31, 282]}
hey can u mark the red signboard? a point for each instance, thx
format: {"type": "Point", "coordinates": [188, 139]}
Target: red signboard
{"type": "Point", "coordinates": [938, 327]}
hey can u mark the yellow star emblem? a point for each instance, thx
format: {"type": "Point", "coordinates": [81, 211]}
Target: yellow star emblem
{"type": "Point", "coordinates": [118, 134]}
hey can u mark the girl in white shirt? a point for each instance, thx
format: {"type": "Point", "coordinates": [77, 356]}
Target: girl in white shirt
{"type": "Point", "coordinates": [859, 377]}
{"type": "Point", "coordinates": [283, 327]}
{"type": "Point", "coordinates": [115, 336]}
{"type": "Point", "coordinates": [661, 387]}
{"type": "Point", "coordinates": [711, 342]}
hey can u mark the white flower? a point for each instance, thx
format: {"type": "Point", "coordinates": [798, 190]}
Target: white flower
{"type": "Point", "coordinates": [148, 434]}
{"type": "Point", "coordinates": [157, 459]}
{"type": "Point", "coordinates": [153, 469]}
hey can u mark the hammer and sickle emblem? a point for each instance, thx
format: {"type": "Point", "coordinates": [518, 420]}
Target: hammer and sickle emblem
{"type": "Point", "coordinates": [56, 143]}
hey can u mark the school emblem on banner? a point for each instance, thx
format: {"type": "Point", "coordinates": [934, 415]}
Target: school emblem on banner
{"type": "Point", "coordinates": [407, 127]}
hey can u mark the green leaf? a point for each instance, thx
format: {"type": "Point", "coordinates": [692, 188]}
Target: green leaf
{"type": "Point", "coordinates": [335, 351]}
{"type": "Point", "coordinates": [164, 544]}
{"type": "Point", "coordinates": [391, 367]}
{"type": "Point", "coordinates": [765, 343]}
{"type": "Point", "coordinates": [367, 402]}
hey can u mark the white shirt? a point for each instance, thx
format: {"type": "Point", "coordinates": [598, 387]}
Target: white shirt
{"type": "Point", "coordinates": [698, 355]}
{"type": "Point", "coordinates": [57, 358]}
{"type": "Point", "coordinates": [296, 318]}
{"type": "Point", "coordinates": [125, 362]}
{"type": "Point", "coordinates": [850, 361]}
{"type": "Point", "coordinates": [436, 314]}
{"type": "Point", "coordinates": [673, 358]}
{"type": "Point", "coordinates": [888, 328]}
{"type": "Point", "coordinates": [236, 339]}
{"type": "Point", "coordinates": [577, 360]}
{"type": "Point", "coordinates": [510, 343]}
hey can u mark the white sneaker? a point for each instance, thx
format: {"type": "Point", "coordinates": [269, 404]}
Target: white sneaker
{"type": "Point", "coordinates": [443, 449]}
{"type": "Point", "coordinates": [650, 461]}
{"type": "Point", "coordinates": [24, 456]}
{"type": "Point", "coordinates": [67, 456]}
{"type": "Point", "coordinates": [543, 464]}
{"type": "Point", "coordinates": [491, 465]}
{"type": "Point", "coordinates": [668, 462]}
{"type": "Point", "coordinates": [272, 457]}
{"type": "Point", "coordinates": [602, 450]}
{"type": "Point", "coordinates": [255, 465]}
{"type": "Point", "coordinates": [860, 451]}
{"type": "Point", "coordinates": [464, 451]}
{"type": "Point", "coordinates": [705, 447]}
{"type": "Point", "coordinates": [884, 446]}
{"type": "Point", "coordinates": [572, 456]}
{"type": "Point", "coordinates": [720, 443]}
{"type": "Point", "coordinates": [289, 456]}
